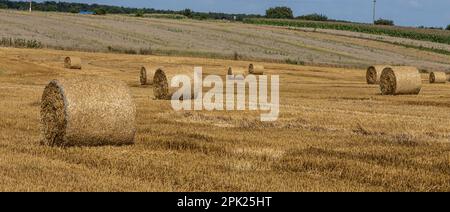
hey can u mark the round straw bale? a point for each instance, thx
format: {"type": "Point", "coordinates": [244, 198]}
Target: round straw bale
{"type": "Point", "coordinates": [146, 75]}
{"type": "Point", "coordinates": [72, 62]}
{"type": "Point", "coordinates": [236, 71]}
{"type": "Point", "coordinates": [162, 79]}
{"type": "Point", "coordinates": [373, 74]}
{"type": "Point", "coordinates": [87, 112]}
{"type": "Point", "coordinates": [400, 80]}
{"type": "Point", "coordinates": [438, 77]}
{"type": "Point", "coordinates": [256, 69]}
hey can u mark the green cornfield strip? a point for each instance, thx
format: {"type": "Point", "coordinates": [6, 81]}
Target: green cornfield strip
{"type": "Point", "coordinates": [410, 33]}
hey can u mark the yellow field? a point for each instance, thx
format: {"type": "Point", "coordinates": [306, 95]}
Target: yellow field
{"type": "Point", "coordinates": [335, 133]}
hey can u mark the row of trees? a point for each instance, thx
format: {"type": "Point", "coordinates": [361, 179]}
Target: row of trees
{"type": "Point", "coordinates": [384, 22]}
{"type": "Point", "coordinates": [287, 13]}
{"type": "Point", "coordinates": [106, 9]}
{"type": "Point", "coordinates": [276, 12]}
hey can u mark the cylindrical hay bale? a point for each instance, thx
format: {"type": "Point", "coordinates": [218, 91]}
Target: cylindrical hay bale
{"type": "Point", "coordinates": [438, 77]}
{"type": "Point", "coordinates": [237, 72]}
{"type": "Point", "coordinates": [400, 80]}
{"type": "Point", "coordinates": [146, 75]}
{"type": "Point", "coordinates": [162, 80]}
{"type": "Point", "coordinates": [256, 69]}
{"type": "Point", "coordinates": [72, 62]}
{"type": "Point", "coordinates": [87, 112]}
{"type": "Point", "coordinates": [373, 74]}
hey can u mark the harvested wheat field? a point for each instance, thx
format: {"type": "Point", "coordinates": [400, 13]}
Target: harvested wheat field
{"type": "Point", "coordinates": [335, 133]}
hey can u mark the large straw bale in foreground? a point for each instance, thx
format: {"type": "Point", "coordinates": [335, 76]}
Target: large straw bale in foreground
{"type": "Point", "coordinates": [162, 80]}
{"type": "Point", "coordinates": [438, 77]}
{"type": "Point", "coordinates": [256, 69]}
{"type": "Point", "coordinates": [373, 74]}
{"type": "Point", "coordinates": [400, 80]}
{"type": "Point", "coordinates": [146, 75]}
{"type": "Point", "coordinates": [87, 112]}
{"type": "Point", "coordinates": [72, 62]}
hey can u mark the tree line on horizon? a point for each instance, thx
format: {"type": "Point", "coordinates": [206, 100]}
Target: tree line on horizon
{"type": "Point", "coordinates": [287, 13]}
{"type": "Point", "coordinates": [98, 9]}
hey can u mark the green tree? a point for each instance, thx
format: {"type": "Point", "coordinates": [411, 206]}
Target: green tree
{"type": "Point", "coordinates": [140, 13]}
{"type": "Point", "coordinates": [200, 16]}
{"type": "Point", "coordinates": [187, 12]}
{"type": "Point", "coordinates": [448, 27]}
{"type": "Point", "coordinates": [280, 12]}
{"type": "Point", "coordinates": [74, 10]}
{"type": "Point", "coordinates": [3, 6]}
{"type": "Point", "coordinates": [313, 17]}
{"type": "Point", "coordinates": [100, 11]}
{"type": "Point", "coordinates": [384, 22]}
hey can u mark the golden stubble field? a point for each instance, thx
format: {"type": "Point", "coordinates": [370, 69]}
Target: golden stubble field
{"type": "Point", "coordinates": [335, 133]}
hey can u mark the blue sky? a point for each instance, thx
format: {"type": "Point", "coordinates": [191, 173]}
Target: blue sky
{"type": "Point", "coordinates": [403, 12]}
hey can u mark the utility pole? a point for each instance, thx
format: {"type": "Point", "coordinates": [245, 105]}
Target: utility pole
{"type": "Point", "coordinates": [374, 10]}
{"type": "Point", "coordinates": [30, 5]}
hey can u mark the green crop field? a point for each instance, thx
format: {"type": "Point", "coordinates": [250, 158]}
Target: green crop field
{"type": "Point", "coordinates": [438, 36]}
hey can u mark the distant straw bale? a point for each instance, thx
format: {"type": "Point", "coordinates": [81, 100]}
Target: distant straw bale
{"type": "Point", "coordinates": [238, 72]}
{"type": "Point", "coordinates": [400, 80]}
{"type": "Point", "coordinates": [162, 79]}
{"type": "Point", "coordinates": [373, 74]}
{"type": "Point", "coordinates": [72, 62]}
{"type": "Point", "coordinates": [256, 69]}
{"type": "Point", "coordinates": [146, 75]}
{"type": "Point", "coordinates": [438, 77]}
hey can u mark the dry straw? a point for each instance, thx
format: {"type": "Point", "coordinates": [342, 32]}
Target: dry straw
{"type": "Point", "coordinates": [146, 75]}
{"type": "Point", "coordinates": [256, 69]}
{"type": "Point", "coordinates": [239, 73]}
{"type": "Point", "coordinates": [373, 74]}
{"type": "Point", "coordinates": [162, 80]}
{"type": "Point", "coordinates": [400, 80]}
{"type": "Point", "coordinates": [72, 62]}
{"type": "Point", "coordinates": [87, 112]}
{"type": "Point", "coordinates": [438, 77]}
